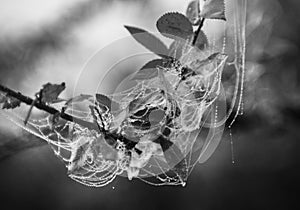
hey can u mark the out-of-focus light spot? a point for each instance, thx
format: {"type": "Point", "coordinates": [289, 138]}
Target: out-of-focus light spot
{"type": "Point", "coordinates": [19, 17]}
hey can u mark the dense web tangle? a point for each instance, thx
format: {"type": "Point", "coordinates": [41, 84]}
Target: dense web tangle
{"type": "Point", "coordinates": [158, 129]}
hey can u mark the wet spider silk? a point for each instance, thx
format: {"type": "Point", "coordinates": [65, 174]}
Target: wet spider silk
{"type": "Point", "coordinates": [155, 130]}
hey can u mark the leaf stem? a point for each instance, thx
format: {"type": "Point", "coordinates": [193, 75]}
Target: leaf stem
{"type": "Point", "coordinates": [198, 31]}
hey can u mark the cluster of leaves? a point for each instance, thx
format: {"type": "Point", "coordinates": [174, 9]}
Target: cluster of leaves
{"type": "Point", "coordinates": [179, 28]}
{"type": "Point", "coordinates": [172, 25]}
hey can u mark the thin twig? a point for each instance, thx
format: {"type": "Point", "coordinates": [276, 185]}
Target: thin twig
{"type": "Point", "coordinates": [198, 32]}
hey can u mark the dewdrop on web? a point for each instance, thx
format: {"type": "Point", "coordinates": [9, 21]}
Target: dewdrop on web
{"type": "Point", "coordinates": [159, 122]}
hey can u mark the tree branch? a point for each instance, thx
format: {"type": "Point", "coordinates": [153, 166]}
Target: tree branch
{"type": "Point", "coordinates": [44, 107]}
{"type": "Point", "coordinates": [90, 125]}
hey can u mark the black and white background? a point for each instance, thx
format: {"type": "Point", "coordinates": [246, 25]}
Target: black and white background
{"type": "Point", "coordinates": [50, 41]}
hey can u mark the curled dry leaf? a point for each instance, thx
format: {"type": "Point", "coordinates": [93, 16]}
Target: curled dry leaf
{"type": "Point", "coordinates": [50, 92]}
{"type": "Point", "coordinates": [11, 103]}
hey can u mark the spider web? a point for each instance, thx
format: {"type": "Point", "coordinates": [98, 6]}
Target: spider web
{"type": "Point", "coordinates": [94, 160]}
{"type": "Point", "coordinates": [234, 44]}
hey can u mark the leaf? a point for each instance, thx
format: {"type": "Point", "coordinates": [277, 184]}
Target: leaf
{"type": "Point", "coordinates": [11, 103]}
{"type": "Point", "coordinates": [176, 49]}
{"type": "Point", "coordinates": [202, 41]}
{"type": "Point", "coordinates": [213, 9]}
{"type": "Point", "coordinates": [149, 70]}
{"type": "Point", "coordinates": [180, 47]}
{"type": "Point", "coordinates": [174, 157]}
{"type": "Point", "coordinates": [2, 98]}
{"type": "Point", "coordinates": [54, 119]}
{"type": "Point", "coordinates": [50, 92]}
{"type": "Point", "coordinates": [148, 40]}
{"type": "Point", "coordinates": [215, 60]}
{"type": "Point", "coordinates": [196, 64]}
{"type": "Point", "coordinates": [210, 145]}
{"type": "Point", "coordinates": [103, 99]}
{"type": "Point", "coordinates": [165, 84]}
{"type": "Point", "coordinates": [77, 99]}
{"type": "Point", "coordinates": [141, 100]}
{"type": "Point", "coordinates": [174, 26]}
{"type": "Point", "coordinates": [106, 101]}
{"type": "Point", "coordinates": [193, 12]}
{"type": "Point", "coordinates": [79, 157]}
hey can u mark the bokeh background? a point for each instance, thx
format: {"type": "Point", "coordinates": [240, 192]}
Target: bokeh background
{"type": "Point", "coordinates": [50, 41]}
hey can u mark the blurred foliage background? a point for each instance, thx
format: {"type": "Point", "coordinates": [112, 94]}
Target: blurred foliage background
{"type": "Point", "coordinates": [50, 41]}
